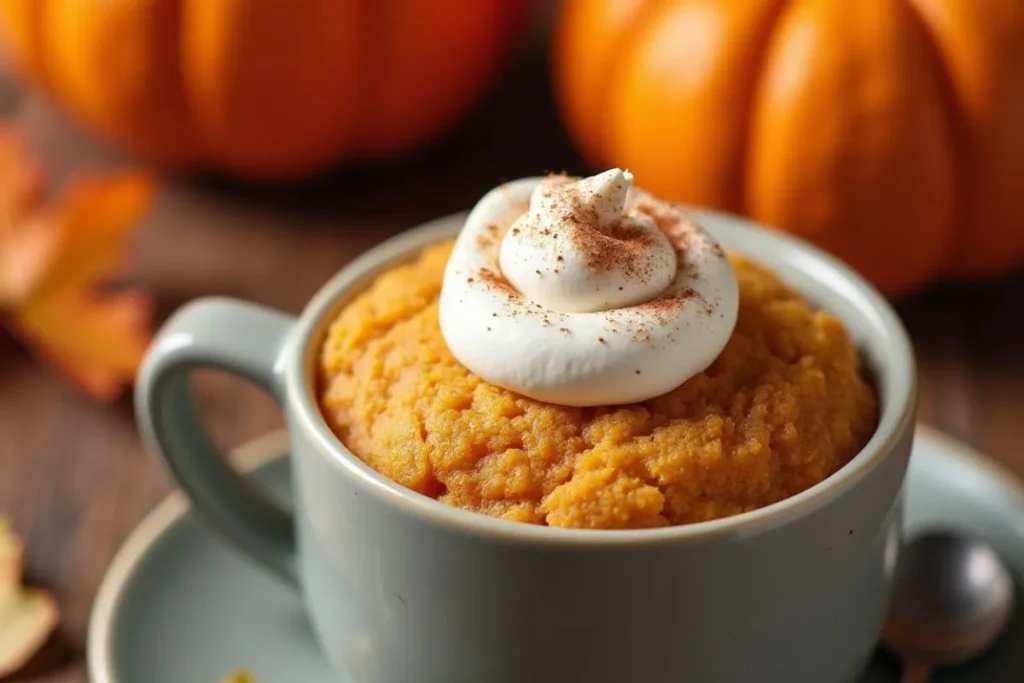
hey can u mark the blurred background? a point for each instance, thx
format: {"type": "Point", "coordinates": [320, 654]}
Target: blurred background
{"type": "Point", "coordinates": [155, 151]}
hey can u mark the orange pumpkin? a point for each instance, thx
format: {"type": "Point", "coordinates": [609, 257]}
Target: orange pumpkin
{"type": "Point", "coordinates": [890, 132]}
{"type": "Point", "coordinates": [262, 88]}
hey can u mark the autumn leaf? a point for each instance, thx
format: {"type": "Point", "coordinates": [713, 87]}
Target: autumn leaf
{"type": "Point", "coordinates": [57, 262]}
{"type": "Point", "coordinates": [23, 248]}
{"type": "Point", "coordinates": [27, 615]}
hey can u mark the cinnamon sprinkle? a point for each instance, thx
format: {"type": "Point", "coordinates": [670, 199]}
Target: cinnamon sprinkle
{"type": "Point", "coordinates": [515, 304]}
{"type": "Point", "coordinates": [676, 226]}
{"type": "Point", "coordinates": [498, 281]}
{"type": "Point", "coordinates": [624, 246]}
{"type": "Point", "coordinates": [490, 239]}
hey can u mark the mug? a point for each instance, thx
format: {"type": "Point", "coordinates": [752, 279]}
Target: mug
{"type": "Point", "coordinates": [401, 588]}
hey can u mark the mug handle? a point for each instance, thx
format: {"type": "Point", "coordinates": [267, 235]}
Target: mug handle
{"type": "Point", "coordinates": [248, 341]}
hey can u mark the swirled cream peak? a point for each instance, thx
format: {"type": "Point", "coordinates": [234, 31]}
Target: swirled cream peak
{"type": "Point", "coordinates": [585, 292]}
{"type": "Point", "coordinates": [575, 251]}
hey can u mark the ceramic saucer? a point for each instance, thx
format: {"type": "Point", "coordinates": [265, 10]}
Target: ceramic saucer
{"type": "Point", "coordinates": [179, 605]}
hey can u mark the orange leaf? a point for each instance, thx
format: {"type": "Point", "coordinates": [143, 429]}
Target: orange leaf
{"type": "Point", "coordinates": [93, 217]}
{"type": "Point", "coordinates": [97, 341]}
{"type": "Point", "coordinates": [21, 178]}
{"type": "Point", "coordinates": [56, 260]}
{"type": "Point", "coordinates": [25, 246]}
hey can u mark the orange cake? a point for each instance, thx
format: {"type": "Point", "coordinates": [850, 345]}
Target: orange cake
{"type": "Point", "coordinates": [782, 407]}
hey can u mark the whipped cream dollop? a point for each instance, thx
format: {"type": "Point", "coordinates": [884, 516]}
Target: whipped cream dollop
{"type": "Point", "coordinates": [585, 292]}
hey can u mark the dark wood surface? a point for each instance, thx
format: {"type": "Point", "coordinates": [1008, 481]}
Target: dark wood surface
{"type": "Point", "coordinates": [72, 474]}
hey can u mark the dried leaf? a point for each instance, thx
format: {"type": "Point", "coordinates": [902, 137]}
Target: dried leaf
{"type": "Point", "coordinates": [97, 341]}
{"type": "Point", "coordinates": [93, 217]}
{"type": "Point", "coordinates": [27, 618]}
{"type": "Point", "coordinates": [27, 615]}
{"type": "Point", "coordinates": [57, 262]}
{"type": "Point", "coordinates": [25, 246]}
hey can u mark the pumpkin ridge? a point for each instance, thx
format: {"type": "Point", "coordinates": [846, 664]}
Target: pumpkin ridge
{"type": "Point", "coordinates": [22, 24]}
{"type": "Point", "coordinates": [420, 79]}
{"type": "Point", "coordinates": [117, 64]}
{"type": "Point", "coordinates": [981, 48]}
{"type": "Point", "coordinates": [628, 38]}
{"type": "Point", "coordinates": [592, 147]}
{"type": "Point", "coordinates": [262, 111]}
{"type": "Point", "coordinates": [849, 149]}
{"type": "Point", "coordinates": [682, 101]}
{"type": "Point", "coordinates": [760, 67]}
{"type": "Point", "coordinates": [952, 111]}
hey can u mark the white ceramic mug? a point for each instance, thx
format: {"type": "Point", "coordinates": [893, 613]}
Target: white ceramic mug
{"type": "Point", "coordinates": [403, 589]}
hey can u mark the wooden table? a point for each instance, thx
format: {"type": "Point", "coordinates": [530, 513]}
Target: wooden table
{"type": "Point", "coordinates": [72, 473]}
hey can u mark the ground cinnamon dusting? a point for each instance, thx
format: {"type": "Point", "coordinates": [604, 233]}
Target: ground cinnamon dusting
{"type": "Point", "coordinates": [498, 281]}
{"type": "Point", "coordinates": [676, 226]}
{"type": "Point", "coordinates": [491, 238]}
{"type": "Point", "coordinates": [514, 302]}
{"type": "Point", "coordinates": [625, 247]}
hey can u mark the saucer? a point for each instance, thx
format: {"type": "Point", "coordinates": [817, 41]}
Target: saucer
{"type": "Point", "coordinates": [177, 604]}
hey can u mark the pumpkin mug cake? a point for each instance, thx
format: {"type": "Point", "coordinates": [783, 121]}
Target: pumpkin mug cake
{"type": "Point", "coordinates": [585, 355]}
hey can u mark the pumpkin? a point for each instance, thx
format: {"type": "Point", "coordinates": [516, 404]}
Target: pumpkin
{"type": "Point", "coordinates": [266, 89]}
{"type": "Point", "coordinates": [890, 132]}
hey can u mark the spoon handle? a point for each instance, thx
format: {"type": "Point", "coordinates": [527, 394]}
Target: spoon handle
{"type": "Point", "coordinates": [916, 672]}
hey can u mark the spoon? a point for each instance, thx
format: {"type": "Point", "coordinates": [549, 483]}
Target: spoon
{"type": "Point", "coordinates": [951, 598]}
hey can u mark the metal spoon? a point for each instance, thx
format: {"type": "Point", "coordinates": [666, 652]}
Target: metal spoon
{"type": "Point", "coordinates": [952, 596]}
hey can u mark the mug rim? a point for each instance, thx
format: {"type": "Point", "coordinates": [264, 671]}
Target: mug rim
{"type": "Point", "coordinates": [895, 418]}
